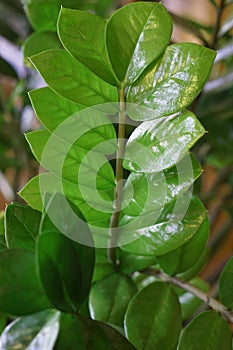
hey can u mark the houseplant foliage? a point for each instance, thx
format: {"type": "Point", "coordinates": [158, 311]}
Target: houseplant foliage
{"type": "Point", "coordinates": [132, 287]}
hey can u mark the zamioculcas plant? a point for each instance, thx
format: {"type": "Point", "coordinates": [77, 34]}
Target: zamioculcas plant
{"type": "Point", "coordinates": [106, 253]}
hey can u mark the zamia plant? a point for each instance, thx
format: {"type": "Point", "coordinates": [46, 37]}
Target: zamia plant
{"type": "Point", "coordinates": [104, 261]}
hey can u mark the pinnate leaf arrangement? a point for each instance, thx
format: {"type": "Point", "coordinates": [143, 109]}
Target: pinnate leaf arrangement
{"type": "Point", "coordinates": [124, 277]}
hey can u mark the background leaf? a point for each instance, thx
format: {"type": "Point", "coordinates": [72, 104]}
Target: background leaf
{"type": "Point", "coordinates": [226, 284]}
{"type": "Point", "coordinates": [43, 14]}
{"type": "Point", "coordinates": [109, 298]}
{"type": "Point", "coordinates": [207, 330]}
{"type": "Point", "coordinates": [152, 315]}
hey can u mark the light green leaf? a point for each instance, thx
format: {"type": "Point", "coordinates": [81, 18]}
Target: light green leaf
{"type": "Point", "coordinates": [20, 292]}
{"type": "Point", "coordinates": [186, 256]}
{"type": "Point", "coordinates": [86, 334]}
{"type": "Point", "coordinates": [189, 303]}
{"type": "Point", "coordinates": [226, 284]}
{"type": "Point", "coordinates": [145, 192]}
{"type": "Point", "coordinates": [36, 331]}
{"type": "Point", "coordinates": [135, 36]}
{"type": "Point", "coordinates": [207, 331]}
{"type": "Point", "coordinates": [43, 14]}
{"type": "Point", "coordinates": [159, 144]}
{"type": "Point", "coordinates": [153, 318]}
{"type": "Point", "coordinates": [38, 42]}
{"type": "Point", "coordinates": [65, 266]}
{"type": "Point", "coordinates": [109, 298]}
{"type": "Point", "coordinates": [47, 103]}
{"type": "Point", "coordinates": [21, 226]}
{"type": "Point", "coordinates": [176, 225]}
{"type": "Point", "coordinates": [173, 83]}
{"type": "Point", "coordinates": [72, 80]}
{"type": "Point", "coordinates": [82, 34]}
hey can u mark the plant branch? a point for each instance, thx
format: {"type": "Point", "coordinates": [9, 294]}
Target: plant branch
{"type": "Point", "coordinates": [217, 25]}
{"type": "Point", "coordinates": [119, 181]}
{"type": "Point", "coordinates": [208, 300]}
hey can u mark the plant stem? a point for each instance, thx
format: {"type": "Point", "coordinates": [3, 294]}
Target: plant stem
{"type": "Point", "coordinates": [112, 247]}
{"type": "Point", "coordinates": [217, 25]}
{"type": "Point", "coordinates": [208, 300]}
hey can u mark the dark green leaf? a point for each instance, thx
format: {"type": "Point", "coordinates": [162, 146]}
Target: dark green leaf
{"type": "Point", "coordinates": [153, 318]}
{"type": "Point", "coordinates": [65, 266]}
{"type": "Point", "coordinates": [177, 224]}
{"type": "Point", "coordinates": [187, 255]}
{"type": "Point", "coordinates": [20, 291]}
{"type": "Point", "coordinates": [159, 144]}
{"type": "Point", "coordinates": [38, 42]}
{"type": "Point", "coordinates": [7, 69]}
{"type": "Point", "coordinates": [196, 268]}
{"type": "Point", "coordinates": [43, 14]}
{"type": "Point", "coordinates": [173, 83]}
{"type": "Point", "coordinates": [103, 266]}
{"type": "Point", "coordinates": [72, 80]}
{"type": "Point", "coordinates": [82, 34]}
{"type": "Point", "coordinates": [36, 331]}
{"type": "Point", "coordinates": [226, 284]}
{"type": "Point", "coordinates": [85, 334]}
{"type": "Point", "coordinates": [22, 226]}
{"type": "Point", "coordinates": [207, 331]}
{"type": "Point", "coordinates": [134, 43]}
{"type": "Point", "coordinates": [110, 297]}
{"type": "Point", "coordinates": [130, 263]}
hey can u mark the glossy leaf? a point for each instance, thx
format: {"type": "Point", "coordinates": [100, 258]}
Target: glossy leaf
{"type": "Point", "coordinates": [43, 14]}
{"type": "Point", "coordinates": [145, 192]}
{"type": "Point", "coordinates": [131, 262]}
{"type": "Point", "coordinates": [226, 284]}
{"type": "Point", "coordinates": [110, 297]}
{"type": "Point", "coordinates": [159, 144]}
{"type": "Point", "coordinates": [186, 256]}
{"type": "Point", "coordinates": [36, 331]}
{"type": "Point", "coordinates": [65, 266]}
{"type": "Point", "coordinates": [84, 334]}
{"type": "Point", "coordinates": [152, 315]}
{"type": "Point", "coordinates": [72, 80]}
{"type": "Point", "coordinates": [207, 331]}
{"type": "Point", "coordinates": [82, 34]}
{"type": "Point", "coordinates": [189, 303]}
{"type": "Point", "coordinates": [196, 268]}
{"type": "Point", "coordinates": [20, 292]}
{"type": "Point", "coordinates": [175, 227]}
{"type": "Point", "coordinates": [173, 83]}
{"type": "Point", "coordinates": [21, 226]}
{"type": "Point", "coordinates": [38, 42]}
{"type": "Point", "coordinates": [134, 43]}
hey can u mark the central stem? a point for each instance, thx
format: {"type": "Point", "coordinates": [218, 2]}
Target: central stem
{"type": "Point", "coordinates": [112, 245]}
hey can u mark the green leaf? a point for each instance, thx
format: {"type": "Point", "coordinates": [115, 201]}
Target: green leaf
{"type": "Point", "coordinates": [7, 69]}
{"type": "Point", "coordinates": [130, 263]}
{"type": "Point", "coordinates": [43, 14]}
{"type": "Point", "coordinates": [189, 303]}
{"type": "Point", "coordinates": [207, 331]}
{"type": "Point", "coordinates": [47, 103]}
{"type": "Point", "coordinates": [38, 42]}
{"type": "Point", "coordinates": [183, 258]}
{"type": "Point", "coordinates": [103, 266]}
{"type": "Point", "coordinates": [36, 331]}
{"type": "Point", "coordinates": [109, 298]}
{"type": "Point", "coordinates": [135, 36]}
{"type": "Point", "coordinates": [82, 34]}
{"type": "Point", "coordinates": [65, 266]}
{"type": "Point", "coordinates": [213, 2]}
{"type": "Point", "coordinates": [196, 268]}
{"type": "Point", "coordinates": [177, 224]}
{"type": "Point", "coordinates": [153, 318]}
{"type": "Point", "coordinates": [72, 80]}
{"type": "Point", "coordinates": [22, 226]}
{"type": "Point", "coordinates": [20, 292]}
{"type": "Point", "coordinates": [160, 144]}
{"type": "Point", "coordinates": [173, 83]}
{"type": "Point", "coordinates": [226, 284]}
{"type": "Point", "coordinates": [145, 192]}
{"type": "Point", "coordinates": [86, 334]}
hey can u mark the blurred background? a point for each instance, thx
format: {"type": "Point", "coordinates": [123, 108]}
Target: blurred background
{"type": "Point", "coordinates": [28, 27]}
